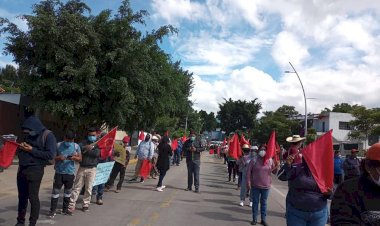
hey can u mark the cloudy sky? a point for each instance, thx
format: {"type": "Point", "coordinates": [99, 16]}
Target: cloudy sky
{"type": "Point", "coordinates": [240, 49]}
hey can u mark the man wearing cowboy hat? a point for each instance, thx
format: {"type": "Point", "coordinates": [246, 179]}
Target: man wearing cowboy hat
{"type": "Point", "coordinates": [351, 165]}
{"type": "Point", "coordinates": [294, 150]}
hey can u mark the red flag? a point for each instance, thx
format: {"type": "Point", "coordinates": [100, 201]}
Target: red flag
{"type": "Point", "coordinates": [211, 151]}
{"type": "Point", "coordinates": [319, 156]}
{"type": "Point", "coordinates": [278, 152]}
{"type": "Point", "coordinates": [106, 144]}
{"type": "Point", "coordinates": [184, 138]}
{"type": "Point", "coordinates": [234, 147]}
{"type": "Point", "coordinates": [175, 145]}
{"type": "Point", "coordinates": [271, 148]}
{"type": "Point", "coordinates": [243, 140]}
{"type": "Point", "coordinates": [7, 153]}
{"type": "Point", "coordinates": [146, 166]}
{"type": "Point", "coordinates": [141, 136]}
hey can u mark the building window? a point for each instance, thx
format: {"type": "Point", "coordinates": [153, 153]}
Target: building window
{"type": "Point", "coordinates": [344, 126]}
{"type": "Point", "coordinates": [323, 126]}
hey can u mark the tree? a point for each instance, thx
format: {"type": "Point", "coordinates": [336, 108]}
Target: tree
{"type": "Point", "coordinates": [238, 115]}
{"type": "Point", "coordinates": [365, 124]}
{"type": "Point", "coordinates": [9, 79]}
{"type": "Point", "coordinates": [344, 108]}
{"type": "Point", "coordinates": [209, 122]}
{"type": "Point", "coordinates": [96, 69]}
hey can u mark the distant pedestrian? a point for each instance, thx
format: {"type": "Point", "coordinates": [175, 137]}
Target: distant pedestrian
{"type": "Point", "coordinates": [338, 168]}
{"type": "Point", "coordinates": [351, 165]}
{"type": "Point", "coordinates": [259, 180]}
{"type": "Point", "coordinates": [177, 152]}
{"type": "Point", "coordinates": [243, 164]}
{"type": "Point", "coordinates": [86, 172]}
{"type": "Point", "coordinates": [144, 151]}
{"type": "Point", "coordinates": [163, 161]}
{"type": "Point", "coordinates": [192, 150]}
{"type": "Point", "coordinates": [68, 153]}
{"type": "Point", "coordinates": [39, 147]}
{"type": "Point", "coordinates": [357, 201]}
{"type": "Point", "coordinates": [154, 171]}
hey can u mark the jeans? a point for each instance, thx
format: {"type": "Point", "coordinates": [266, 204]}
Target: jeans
{"type": "Point", "coordinates": [67, 181]}
{"type": "Point", "coordinates": [28, 185]}
{"type": "Point", "coordinates": [161, 178]}
{"type": "Point", "coordinates": [231, 170]}
{"type": "Point", "coordinates": [240, 175]}
{"type": "Point", "coordinates": [261, 195]}
{"type": "Point", "coordinates": [176, 157]}
{"type": "Point", "coordinates": [243, 188]}
{"type": "Point", "coordinates": [295, 217]}
{"type": "Point", "coordinates": [117, 168]}
{"type": "Point", "coordinates": [98, 190]}
{"type": "Point", "coordinates": [193, 168]}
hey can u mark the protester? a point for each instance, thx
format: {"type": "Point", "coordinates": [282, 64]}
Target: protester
{"type": "Point", "coordinates": [259, 180]}
{"type": "Point", "coordinates": [154, 170]}
{"type": "Point", "coordinates": [177, 152]}
{"type": "Point", "coordinates": [305, 203]}
{"type": "Point", "coordinates": [98, 190]}
{"type": "Point", "coordinates": [357, 201]}
{"type": "Point", "coordinates": [39, 147]}
{"type": "Point", "coordinates": [86, 172]}
{"type": "Point", "coordinates": [144, 151]}
{"type": "Point", "coordinates": [243, 163]}
{"type": "Point", "coordinates": [163, 161]}
{"type": "Point", "coordinates": [338, 168]}
{"type": "Point", "coordinates": [232, 169]}
{"type": "Point", "coordinates": [351, 165]}
{"type": "Point", "coordinates": [119, 167]}
{"type": "Point", "coordinates": [296, 142]}
{"type": "Point", "coordinates": [192, 149]}
{"type": "Point", "coordinates": [68, 153]}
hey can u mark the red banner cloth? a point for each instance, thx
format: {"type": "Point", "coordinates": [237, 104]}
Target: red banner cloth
{"type": "Point", "coordinates": [142, 136]}
{"type": "Point", "coordinates": [146, 166]}
{"type": "Point", "coordinates": [106, 144]}
{"type": "Point", "coordinates": [271, 147]}
{"type": "Point", "coordinates": [174, 145]}
{"type": "Point", "coordinates": [319, 157]}
{"type": "Point", "coordinates": [211, 151]}
{"type": "Point", "coordinates": [243, 140]}
{"type": "Point", "coordinates": [235, 148]}
{"type": "Point", "coordinates": [184, 138]}
{"type": "Point", "coordinates": [7, 153]}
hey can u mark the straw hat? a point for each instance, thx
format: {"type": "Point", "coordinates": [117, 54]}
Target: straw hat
{"type": "Point", "coordinates": [295, 139]}
{"type": "Point", "coordinates": [245, 146]}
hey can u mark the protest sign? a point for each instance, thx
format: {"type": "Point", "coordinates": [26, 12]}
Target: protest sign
{"type": "Point", "coordinates": [103, 171]}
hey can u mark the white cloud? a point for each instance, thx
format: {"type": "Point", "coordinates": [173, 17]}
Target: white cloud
{"type": "Point", "coordinates": [14, 18]}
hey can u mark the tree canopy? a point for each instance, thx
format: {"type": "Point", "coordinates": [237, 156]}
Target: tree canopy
{"type": "Point", "coordinates": [96, 69]}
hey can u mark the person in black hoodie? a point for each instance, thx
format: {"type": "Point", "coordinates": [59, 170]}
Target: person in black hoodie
{"type": "Point", "coordinates": [357, 201]}
{"type": "Point", "coordinates": [192, 150]}
{"type": "Point", "coordinates": [163, 161]}
{"type": "Point", "coordinates": [86, 172]}
{"type": "Point", "coordinates": [38, 148]}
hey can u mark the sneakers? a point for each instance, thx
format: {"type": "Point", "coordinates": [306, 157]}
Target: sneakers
{"type": "Point", "coordinates": [241, 203]}
{"type": "Point", "coordinates": [163, 186]}
{"type": "Point", "coordinates": [51, 214]}
{"type": "Point", "coordinates": [250, 204]}
{"type": "Point", "coordinates": [117, 190]}
{"type": "Point", "coordinates": [188, 189]}
{"type": "Point", "coordinates": [142, 180]}
{"type": "Point", "coordinates": [99, 202]}
{"type": "Point", "coordinates": [196, 190]}
{"type": "Point", "coordinates": [133, 179]}
{"type": "Point", "coordinates": [253, 222]}
{"type": "Point", "coordinates": [159, 189]}
{"type": "Point", "coordinates": [85, 209]}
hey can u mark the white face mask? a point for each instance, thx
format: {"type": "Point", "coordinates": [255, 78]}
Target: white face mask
{"type": "Point", "coordinates": [262, 153]}
{"type": "Point", "coordinates": [378, 179]}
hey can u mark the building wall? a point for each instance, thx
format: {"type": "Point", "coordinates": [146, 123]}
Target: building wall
{"type": "Point", "coordinates": [334, 119]}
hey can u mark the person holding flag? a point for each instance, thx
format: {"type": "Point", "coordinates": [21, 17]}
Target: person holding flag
{"type": "Point", "coordinates": [144, 152]}
{"type": "Point", "coordinates": [310, 182]}
{"type": "Point", "coordinates": [86, 172]}
{"type": "Point", "coordinates": [259, 180]}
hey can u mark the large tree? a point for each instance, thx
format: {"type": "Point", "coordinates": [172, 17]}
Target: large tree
{"type": "Point", "coordinates": [238, 115]}
{"type": "Point", "coordinates": [209, 122]}
{"type": "Point", "coordinates": [96, 69]}
{"type": "Point", "coordinates": [365, 124]}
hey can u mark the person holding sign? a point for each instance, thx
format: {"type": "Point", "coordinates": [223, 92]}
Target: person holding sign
{"type": "Point", "coordinates": [86, 172]}
{"type": "Point", "coordinates": [68, 153]}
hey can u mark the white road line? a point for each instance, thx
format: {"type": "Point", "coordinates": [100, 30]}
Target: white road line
{"type": "Point", "coordinates": [278, 191]}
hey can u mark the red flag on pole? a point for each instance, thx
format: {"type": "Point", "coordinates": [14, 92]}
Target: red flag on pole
{"type": "Point", "coordinates": [146, 166]}
{"type": "Point", "coordinates": [243, 140]}
{"type": "Point", "coordinates": [271, 148]}
{"type": "Point", "coordinates": [7, 153]}
{"type": "Point", "coordinates": [175, 145]}
{"type": "Point", "coordinates": [319, 156]}
{"type": "Point", "coordinates": [106, 144]}
{"type": "Point", "coordinates": [184, 138]}
{"type": "Point", "coordinates": [234, 148]}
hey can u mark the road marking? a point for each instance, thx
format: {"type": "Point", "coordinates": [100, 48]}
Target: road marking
{"type": "Point", "coordinates": [46, 222]}
{"type": "Point", "coordinates": [134, 222]}
{"type": "Point", "coordinates": [278, 191]}
{"type": "Point", "coordinates": [166, 203]}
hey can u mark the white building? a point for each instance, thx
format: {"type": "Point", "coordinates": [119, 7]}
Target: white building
{"type": "Point", "coordinates": [339, 123]}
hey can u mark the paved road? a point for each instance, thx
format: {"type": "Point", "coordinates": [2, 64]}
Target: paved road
{"type": "Point", "coordinates": [139, 204]}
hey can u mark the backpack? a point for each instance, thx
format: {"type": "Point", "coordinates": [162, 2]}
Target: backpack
{"type": "Point", "coordinates": [42, 142]}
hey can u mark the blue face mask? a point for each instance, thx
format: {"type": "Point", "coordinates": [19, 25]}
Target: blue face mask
{"type": "Point", "coordinates": [67, 143]}
{"type": "Point", "coordinates": [91, 138]}
{"type": "Point", "coordinates": [192, 138]}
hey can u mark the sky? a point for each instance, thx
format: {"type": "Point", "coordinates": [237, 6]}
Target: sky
{"type": "Point", "coordinates": [241, 49]}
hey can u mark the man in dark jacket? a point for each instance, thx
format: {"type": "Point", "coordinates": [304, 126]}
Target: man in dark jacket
{"type": "Point", "coordinates": [357, 201]}
{"type": "Point", "coordinates": [86, 172]}
{"type": "Point", "coordinates": [192, 149]}
{"type": "Point", "coordinates": [351, 165]}
{"type": "Point", "coordinates": [38, 148]}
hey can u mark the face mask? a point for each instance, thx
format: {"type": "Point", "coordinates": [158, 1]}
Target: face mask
{"type": "Point", "coordinates": [67, 143]}
{"type": "Point", "coordinates": [192, 138]}
{"type": "Point", "coordinates": [91, 138]}
{"type": "Point", "coordinates": [262, 153]}
{"type": "Point", "coordinates": [377, 182]}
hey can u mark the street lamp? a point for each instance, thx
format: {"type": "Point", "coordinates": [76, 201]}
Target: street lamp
{"type": "Point", "coordinates": [304, 95]}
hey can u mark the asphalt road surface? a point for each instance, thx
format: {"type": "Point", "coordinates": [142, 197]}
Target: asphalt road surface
{"type": "Point", "coordinates": [139, 205]}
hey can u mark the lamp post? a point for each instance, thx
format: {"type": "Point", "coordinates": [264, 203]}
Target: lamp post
{"type": "Point", "coordinates": [304, 95]}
